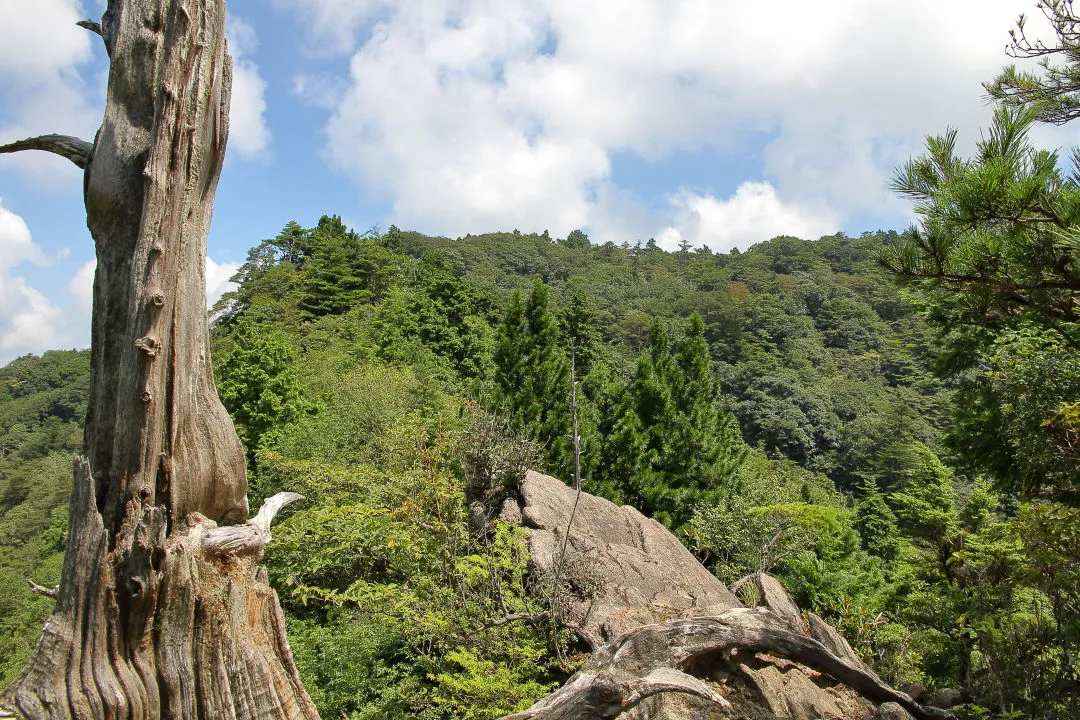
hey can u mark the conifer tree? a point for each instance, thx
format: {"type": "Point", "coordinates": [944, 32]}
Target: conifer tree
{"type": "Point", "coordinates": [547, 413]}
{"type": "Point", "coordinates": [613, 437]}
{"type": "Point", "coordinates": [691, 444]}
{"type": "Point", "coordinates": [579, 325]}
{"type": "Point", "coordinates": [510, 357]}
{"type": "Point", "coordinates": [926, 504]}
{"type": "Point", "coordinates": [344, 270]}
{"type": "Point", "coordinates": [533, 376]}
{"type": "Point", "coordinates": [704, 445]}
{"type": "Point", "coordinates": [876, 523]}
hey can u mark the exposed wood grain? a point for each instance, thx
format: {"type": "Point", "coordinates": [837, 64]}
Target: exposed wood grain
{"type": "Point", "coordinates": [654, 659]}
{"type": "Point", "coordinates": [163, 610]}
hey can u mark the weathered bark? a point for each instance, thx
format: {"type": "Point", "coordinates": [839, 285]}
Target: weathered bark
{"type": "Point", "coordinates": [163, 611]}
{"type": "Point", "coordinates": [658, 659]}
{"type": "Point", "coordinates": [72, 148]}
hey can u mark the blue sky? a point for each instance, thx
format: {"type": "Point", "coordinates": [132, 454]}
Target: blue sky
{"type": "Point", "coordinates": [720, 122]}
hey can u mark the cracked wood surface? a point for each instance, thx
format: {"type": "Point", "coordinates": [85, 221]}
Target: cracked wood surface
{"type": "Point", "coordinates": [162, 610]}
{"type": "Point", "coordinates": [617, 677]}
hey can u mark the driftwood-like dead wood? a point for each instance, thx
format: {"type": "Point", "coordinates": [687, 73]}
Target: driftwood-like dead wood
{"type": "Point", "coordinates": [657, 658]}
{"type": "Point", "coordinates": [42, 590]}
{"type": "Point", "coordinates": [76, 150]}
{"type": "Point", "coordinates": [92, 26]}
{"type": "Point", "coordinates": [251, 538]}
{"type": "Point", "coordinates": [162, 611]}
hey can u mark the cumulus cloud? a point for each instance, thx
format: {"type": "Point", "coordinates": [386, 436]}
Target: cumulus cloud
{"type": "Point", "coordinates": [218, 279]}
{"type": "Point", "coordinates": [426, 121]}
{"type": "Point", "coordinates": [28, 321]}
{"type": "Point", "coordinates": [335, 24]}
{"type": "Point", "coordinates": [81, 288]}
{"type": "Point", "coordinates": [753, 214]}
{"type": "Point", "coordinates": [475, 114]}
{"type": "Point", "coordinates": [41, 89]}
{"type": "Point", "coordinates": [249, 135]}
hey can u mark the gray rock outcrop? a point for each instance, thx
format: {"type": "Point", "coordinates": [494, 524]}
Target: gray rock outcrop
{"type": "Point", "coordinates": [643, 573]}
{"type": "Point", "coordinates": [670, 640]}
{"type": "Point", "coordinates": [891, 711]}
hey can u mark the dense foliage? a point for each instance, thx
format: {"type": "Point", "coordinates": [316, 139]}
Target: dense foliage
{"type": "Point", "coordinates": [42, 405]}
{"type": "Point", "coordinates": [776, 407]}
{"type": "Point", "coordinates": [902, 456]}
{"type": "Point", "coordinates": [742, 386]}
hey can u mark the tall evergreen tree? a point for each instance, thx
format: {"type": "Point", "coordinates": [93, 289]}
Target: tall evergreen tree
{"type": "Point", "coordinates": [533, 376]}
{"type": "Point", "coordinates": [876, 523]}
{"type": "Point", "coordinates": [578, 324]}
{"type": "Point", "coordinates": [547, 413]}
{"type": "Point", "coordinates": [614, 441]}
{"type": "Point", "coordinates": [690, 445]}
{"type": "Point", "coordinates": [696, 445]}
{"type": "Point", "coordinates": [510, 356]}
{"type": "Point", "coordinates": [345, 269]}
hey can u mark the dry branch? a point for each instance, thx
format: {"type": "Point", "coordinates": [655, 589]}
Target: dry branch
{"type": "Point", "coordinates": [532, 618]}
{"type": "Point", "coordinates": [76, 150]}
{"type": "Point", "coordinates": [251, 538]}
{"type": "Point", "coordinates": [94, 27]}
{"type": "Point", "coordinates": [42, 590]}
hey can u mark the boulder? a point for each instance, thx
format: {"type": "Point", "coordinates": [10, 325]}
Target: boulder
{"type": "Point", "coordinates": [946, 698]}
{"type": "Point", "coordinates": [789, 692]}
{"type": "Point", "coordinates": [891, 711]}
{"type": "Point", "coordinates": [917, 691]}
{"type": "Point", "coordinates": [670, 641]}
{"type": "Point", "coordinates": [643, 574]}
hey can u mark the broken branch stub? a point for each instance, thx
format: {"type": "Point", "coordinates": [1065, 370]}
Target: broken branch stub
{"type": "Point", "coordinates": [252, 537]}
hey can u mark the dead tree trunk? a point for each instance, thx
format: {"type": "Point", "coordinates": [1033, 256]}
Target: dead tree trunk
{"type": "Point", "coordinates": [163, 610]}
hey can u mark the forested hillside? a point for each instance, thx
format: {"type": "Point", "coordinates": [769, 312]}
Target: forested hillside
{"type": "Point", "coordinates": [786, 409]}
{"type": "Point", "coordinates": [42, 409]}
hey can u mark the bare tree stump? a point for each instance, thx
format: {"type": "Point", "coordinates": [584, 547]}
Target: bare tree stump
{"type": "Point", "coordinates": [163, 610]}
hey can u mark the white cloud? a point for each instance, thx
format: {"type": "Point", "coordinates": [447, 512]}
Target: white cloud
{"type": "Point", "coordinates": [41, 90]}
{"type": "Point", "coordinates": [426, 122]}
{"type": "Point", "coordinates": [249, 135]}
{"type": "Point", "coordinates": [81, 289]}
{"type": "Point", "coordinates": [19, 246]}
{"type": "Point", "coordinates": [319, 90]}
{"type": "Point", "coordinates": [476, 114]}
{"type": "Point", "coordinates": [217, 279]}
{"type": "Point", "coordinates": [334, 24]}
{"type": "Point", "coordinates": [753, 214]}
{"type": "Point", "coordinates": [28, 321]}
